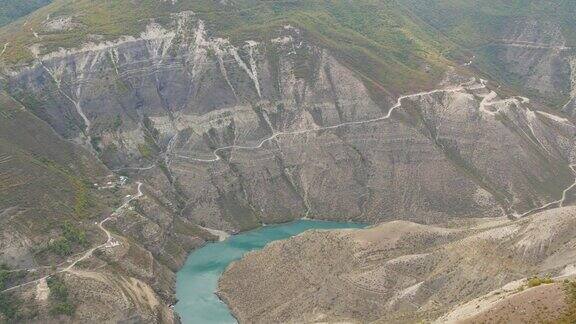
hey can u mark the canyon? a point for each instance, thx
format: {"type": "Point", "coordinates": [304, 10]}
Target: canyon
{"type": "Point", "coordinates": [187, 129]}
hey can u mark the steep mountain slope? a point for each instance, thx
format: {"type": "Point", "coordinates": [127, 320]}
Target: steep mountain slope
{"type": "Point", "coordinates": [527, 44]}
{"type": "Point", "coordinates": [45, 181]}
{"type": "Point", "coordinates": [53, 196]}
{"type": "Point", "coordinates": [172, 95]}
{"type": "Point", "coordinates": [378, 37]}
{"type": "Point", "coordinates": [227, 115]}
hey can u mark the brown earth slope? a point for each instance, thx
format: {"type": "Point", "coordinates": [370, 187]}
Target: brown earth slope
{"type": "Point", "coordinates": [403, 272]}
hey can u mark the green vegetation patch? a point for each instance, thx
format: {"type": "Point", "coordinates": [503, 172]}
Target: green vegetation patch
{"type": "Point", "coordinates": [79, 186]}
{"type": "Point", "coordinates": [537, 281]}
{"type": "Point", "coordinates": [9, 306]}
{"type": "Point", "coordinates": [59, 297]}
{"type": "Point", "coordinates": [71, 237]}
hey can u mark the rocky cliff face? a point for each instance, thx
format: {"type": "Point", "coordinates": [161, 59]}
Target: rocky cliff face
{"type": "Point", "coordinates": [266, 132]}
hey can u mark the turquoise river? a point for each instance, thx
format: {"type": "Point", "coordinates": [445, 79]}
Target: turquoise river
{"type": "Point", "coordinates": [197, 281]}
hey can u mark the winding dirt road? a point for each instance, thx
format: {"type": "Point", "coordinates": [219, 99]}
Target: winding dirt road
{"type": "Point", "coordinates": [110, 239]}
{"type": "Point", "coordinates": [360, 122]}
{"type": "Point", "coordinates": [533, 45]}
{"type": "Point", "coordinates": [487, 101]}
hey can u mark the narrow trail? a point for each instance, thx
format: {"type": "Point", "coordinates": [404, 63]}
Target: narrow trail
{"type": "Point", "coordinates": [534, 45]}
{"type": "Point", "coordinates": [565, 192]}
{"type": "Point", "coordinates": [135, 168]}
{"type": "Point", "coordinates": [110, 238]}
{"type": "Point", "coordinates": [489, 100]}
{"type": "Point", "coordinates": [169, 148]}
{"type": "Point", "coordinates": [109, 243]}
{"type": "Point", "coordinates": [557, 203]}
{"type": "Point", "coordinates": [4, 49]}
{"type": "Point", "coordinates": [317, 129]}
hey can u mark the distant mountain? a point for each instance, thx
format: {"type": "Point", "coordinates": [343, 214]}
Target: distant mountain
{"type": "Point", "coordinates": [11, 10]}
{"type": "Point", "coordinates": [526, 44]}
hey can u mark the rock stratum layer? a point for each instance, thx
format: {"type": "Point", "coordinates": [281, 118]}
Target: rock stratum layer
{"type": "Point", "coordinates": [248, 135]}
{"type": "Point", "coordinates": [126, 141]}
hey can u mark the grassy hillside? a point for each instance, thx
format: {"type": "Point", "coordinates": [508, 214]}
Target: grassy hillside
{"type": "Point", "coordinates": [379, 39]}
{"type": "Point", "coordinates": [475, 22]}
{"type": "Point", "coordinates": [45, 181]}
